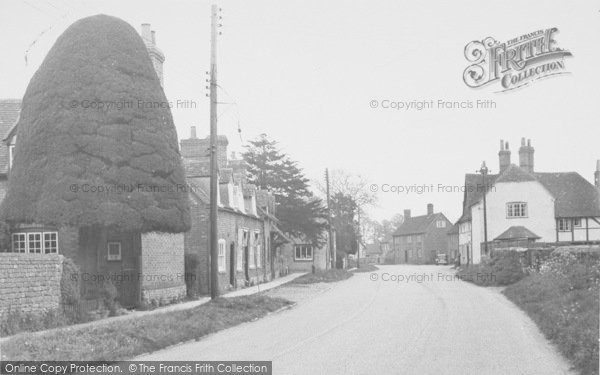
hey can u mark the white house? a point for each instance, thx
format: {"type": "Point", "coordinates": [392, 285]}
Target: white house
{"type": "Point", "coordinates": [524, 206]}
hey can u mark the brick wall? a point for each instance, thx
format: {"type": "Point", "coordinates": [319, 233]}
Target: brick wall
{"type": "Point", "coordinates": [162, 267]}
{"type": "Point", "coordinates": [30, 282]}
{"type": "Point", "coordinates": [229, 222]}
{"type": "Point", "coordinates": [292, 265]}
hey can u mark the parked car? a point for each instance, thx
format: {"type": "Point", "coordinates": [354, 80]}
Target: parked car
{"type": "Point", "coordinates": [441, 259]}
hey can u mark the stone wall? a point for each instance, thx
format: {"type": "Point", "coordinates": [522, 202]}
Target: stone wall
{"type": "Point", "coordinates": [30, 282]}
{"type": "Point", "coordinates": [162, 267]}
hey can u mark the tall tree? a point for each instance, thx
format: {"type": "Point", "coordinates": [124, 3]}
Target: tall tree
{"type": "Point", "coordinates": [82, 127]}
{"type": "Point", "coordinates": [299, 211]}
{"type": "Point", "coordinates": [343, 216]}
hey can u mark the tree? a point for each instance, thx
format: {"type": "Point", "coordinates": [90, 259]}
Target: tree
{"type": "Point", "coordinates": [96, 141]}
{"type": "Point", "coordinates": [343, 216]}
{"type": "Point", "coordinates": [301, 214]}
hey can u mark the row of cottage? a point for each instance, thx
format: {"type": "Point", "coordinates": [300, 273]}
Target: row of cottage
{"type": "Point", "coordinates": [524, 209]}
{"type": "Point", "coordinates": [151, 267]}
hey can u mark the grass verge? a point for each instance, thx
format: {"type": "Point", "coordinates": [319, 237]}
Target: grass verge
{"type": "Point", "coordinates": [563, 300]}
{"type": "Point", "coordinates": [128, 338]}
{"type": "Point", "coordinates": [327, 276]}
{"type": "Point", "coordinates": [366, 268]}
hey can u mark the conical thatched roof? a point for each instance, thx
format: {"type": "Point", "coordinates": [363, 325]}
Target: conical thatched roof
{"type": "Point", "coordinates": [126, 151]}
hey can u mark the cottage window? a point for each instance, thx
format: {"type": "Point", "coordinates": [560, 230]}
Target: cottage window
{"type": "Point", "coordinates": [516, 209]}
{"type": "Point", "coordinates": [19, 243]}
{"type": "Point", "coordinates": [303, 252]}
{"type": "Point", "coordinates": [50, 242]}
{"type": "Point", "coordinates": [252, 254]}
{"type": "Point", "coordinates": [409, 239]}
{"type": "Point", "coordinates": [257, 245]}
{"type": "Point", "coordinates": [420, 252]}
{"type": "Point", "coordinates": [240, 252]}
{"type": "Point", "coordinates": [34, 243]}
{"type": "Point", "coordinates": [113, 251]}
{"type": "Point", "coordinates": [441, 224]}
{"type": "Point", "coordinates": [564, 225]}
{"type": "Point", "coordinates": [222, 258]}
{"type": "Point", "coordinates": [577, 222]}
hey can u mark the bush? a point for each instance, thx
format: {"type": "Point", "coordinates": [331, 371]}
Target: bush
{"type": "Point", "coordinates": [563, 299]}
{"type": "Point", "coordinates": [504, 269]}
{"type": "Point", "coordinates": [109, 295]}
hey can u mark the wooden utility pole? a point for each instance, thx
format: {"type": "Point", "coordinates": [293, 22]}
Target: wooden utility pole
{"type": "Point", "coordinates": [358, 239]}
{"type": "Point", "coordinates": [332, 254]}
{"type": "Point", "coordinates": [214, 251]}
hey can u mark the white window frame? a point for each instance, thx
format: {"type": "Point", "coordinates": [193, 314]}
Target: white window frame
{"type": "Point", "coordinates": [240, 251]}
{"type": "Point", "coordinates": [440, 224]}
{"type": "Point", "coordinates": [222, 257]}
{"type": "Point", "coordinates": [25, 238]}
{"type": "Point", "coordinates": [22, 241]}
{"type": "Point", "coordinates": [50, 249]}
{"type": "Point", "coordinates": [251, 252]}
{"type": "Point", "coordinates": [408, 239]}
{"type": "Point", "coordinates": [39, 249]}
{"type": "Point", "coordinates": [304, 252]}
{"type": "Point", "coordinates": [114, 258]}
{"type": "Point", "coordinates": [258, 249]}
{"type": "Point", "coordinates": [564, 225]}
{"type": "Point", "coordinates": [517, 210]}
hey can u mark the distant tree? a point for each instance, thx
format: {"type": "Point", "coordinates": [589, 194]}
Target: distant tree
{"type": "Point", "coordinates": [299, 211]}
{"type": "Point", "coordinates": [64, 148]}
{"type": "Point", "coordinates": [343, 213]}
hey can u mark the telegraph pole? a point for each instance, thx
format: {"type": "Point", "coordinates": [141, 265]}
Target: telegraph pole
{"type": "Point", "coordinates": [331, 250]}
{"type": "Point", "coordinates": [484, 172]}
{"type": "Point", "coordinates": [214, 251]}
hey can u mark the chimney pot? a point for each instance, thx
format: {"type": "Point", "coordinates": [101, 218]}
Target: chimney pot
{"type": "Point", "coordinates": [523, 141]}
{"type": "Point", "coordinates": [153, 37]}
{"type": "Point", "coordinates": [529, 143]}
{"type": "Point", "coordinates": [598, 166]}
{"type": "Point", "coordinates": [501, 145]}
{"type": "Point", "coordinates": [406, 215]}
{"type": "Point", "coordinates": [193, 132]}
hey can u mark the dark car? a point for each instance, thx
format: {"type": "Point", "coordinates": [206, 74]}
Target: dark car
{"type": "Point", "coordinates": [441, 259]}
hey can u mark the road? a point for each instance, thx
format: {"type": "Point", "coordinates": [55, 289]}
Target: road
{"type": "Point", "coordinates": [427, 323]}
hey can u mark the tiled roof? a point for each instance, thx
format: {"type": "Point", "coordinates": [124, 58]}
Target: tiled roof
{"type": "Point", "coordinates": [517, 233]}
{"type": "Point", "coordinates": [474, 189]}
{"type": "Point", "coordinates": [9, 114]}
{"type": "Point", "coordinates": [417, 224]}
{"type": "Point", "coordinates": [196, 168]}
{"type": "Point", "coordinates": [574, 195]}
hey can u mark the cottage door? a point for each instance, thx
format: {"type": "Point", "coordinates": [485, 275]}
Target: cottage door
{"type": "Point", "coordinates": [232, 258]}
{"type": "Point", "coordinates": [123, 262]}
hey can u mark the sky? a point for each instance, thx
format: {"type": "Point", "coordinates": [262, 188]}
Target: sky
{"type": "Point", "coordinates": [306, 73]}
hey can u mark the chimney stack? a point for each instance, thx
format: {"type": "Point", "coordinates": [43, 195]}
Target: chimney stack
{"type": "Point", "coordinates": [597, 175]}
{"type": "Point", "coordinates": [504, 156]}
{"type": "Point", "coordinates": [146, 32]}
{"type": "Point", "coordinates": [406, 215]}
{"type": "Point", "coordinates": [430, 209]}
{"type": "Point", "coordinates": [156, 55]}
{"type": "Point", "coordinates": [193, 132]}
{"type": "Point", "coordinates": [526, 155]}
{"type": "Point", "coordinates": [198, 149]}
